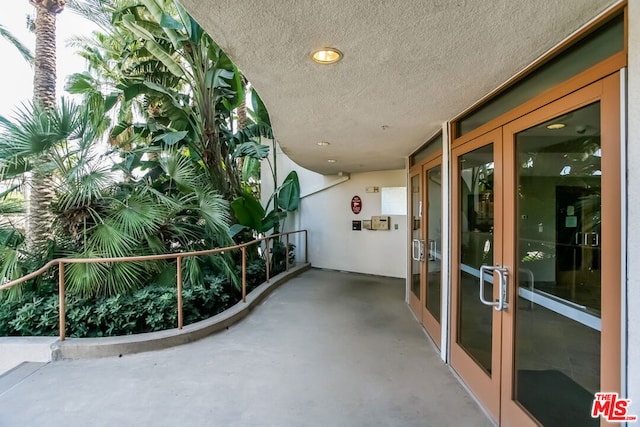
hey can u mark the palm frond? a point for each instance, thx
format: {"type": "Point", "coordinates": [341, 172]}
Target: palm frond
{"type": "Point", "coordinates": [180, 169]}
{"type": "Point", "coordinates": [10, 264]}
{"type": "Point", "coordinates": [224, 263]}
{"type": "Point", "coordinates": [96, 11]}
{"type": "Point", "coordinates": [29, 133]}
{"type": "Point", "coordinates": [214, 210]}
{"type": "Point", "coordinates": [139, 216]}
{"type": "Point", "coordinates": [192, 268]}
{"type": "Point", "coordinates": [124, 277]}
{"type": "Point", "coordinates": [109, 240]}
{"type": "Point", "coordinates": [24, 50]}
{"type": "Point", "coordinates": [85, 280]}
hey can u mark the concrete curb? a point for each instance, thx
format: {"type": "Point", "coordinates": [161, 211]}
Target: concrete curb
{"type": "Point", "coordinates": [16, 350]}
{"type": "Point", "coordinates": [88, 348]}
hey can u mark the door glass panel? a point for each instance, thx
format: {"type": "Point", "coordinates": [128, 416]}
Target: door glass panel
{"type": "Point", "coordinates": [434, 194]}
{"type": "Point", "coordinates": [416, 212]}
{"type": "Point", "coordinates": [476, 249]}
{"type": "Point", "coordinates": [558, 308]}
{"type": "Point", "coordinates": [433, 145]}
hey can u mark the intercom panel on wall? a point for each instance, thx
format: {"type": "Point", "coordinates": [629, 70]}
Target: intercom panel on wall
{"type": "Point", "coordinates": [380, 223]}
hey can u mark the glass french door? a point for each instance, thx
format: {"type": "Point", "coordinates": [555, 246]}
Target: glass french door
{"type": "Point", "coordinates": [426, 246]}
{"type": "Point", "coordinates": [476, 329]}
{"type": "Point", "coordinates": [536, 261]}
{"type": "Point", "coordinates": [417, 243]}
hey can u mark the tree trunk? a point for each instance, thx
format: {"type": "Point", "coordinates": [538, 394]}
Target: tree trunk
{"type": "Point", "coordinates": [242, 114]}
{"type": "Point", "coordinates": [44, 79]}
{"type": "Point", "coordinates": [44, 94]}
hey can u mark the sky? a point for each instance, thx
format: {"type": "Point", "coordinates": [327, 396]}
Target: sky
{"type": "Point", "coordinates": [16, 76]}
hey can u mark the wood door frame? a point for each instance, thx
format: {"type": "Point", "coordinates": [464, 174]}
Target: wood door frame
{"type": "Point", "coordinates": [414, 301]}
{"type": "Point", "coordinates": [430, 323]}
{"type": "Point", "coordinates": [607, 92]}
{"type": "Point", "coordinates": [417, 304]}
{"type": "Point", "coordinates": [485, 388]}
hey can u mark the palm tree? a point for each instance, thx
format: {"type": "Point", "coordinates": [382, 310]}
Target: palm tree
{"type": "Point", "coordinates": [94, 215]}
{"type": "Point", "coordinates": [32, 136]}
{"type": "Point", "coordinates": [44, 94]}
{"type": "Point", "coordinates": [44, 79]}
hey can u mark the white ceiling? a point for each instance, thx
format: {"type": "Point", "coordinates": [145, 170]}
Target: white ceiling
{"type": "Point", "coordinates": [408, 66]}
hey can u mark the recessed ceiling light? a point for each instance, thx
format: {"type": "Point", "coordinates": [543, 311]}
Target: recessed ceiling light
{"type": "Point", "coordinates": [323, 143]}
{"type": "Point", "coordinates": [327, 55]}
{"type": "Point", "coordinates": [556, 126]}
{"type": "Point", "coordinates": [331, 161]}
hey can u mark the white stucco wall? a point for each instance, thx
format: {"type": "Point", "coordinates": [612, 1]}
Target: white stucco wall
{"type": "Point", "coordinates": [633, 207]}
{"type": "Point", "coordinates": [325, 210]}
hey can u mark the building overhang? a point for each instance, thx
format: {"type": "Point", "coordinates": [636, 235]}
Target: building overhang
{"type": "Point", "coordinates": [408, 66]}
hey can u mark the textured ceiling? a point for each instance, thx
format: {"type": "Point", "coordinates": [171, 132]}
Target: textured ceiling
{"type": "Point", "coordinates": [408, 66]}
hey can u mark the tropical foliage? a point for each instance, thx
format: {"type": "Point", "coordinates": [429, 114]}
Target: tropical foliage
{"type": "Point", "coordinates": [24, 50]}
{"type": "Point", "coordinates": [161, 156]}
{"type": "Point", "coordinates": [158, 64]}
{"type": "Point", "coordinates": [171, 208]}
{"type": "Point", "coordinates": [152, 308]}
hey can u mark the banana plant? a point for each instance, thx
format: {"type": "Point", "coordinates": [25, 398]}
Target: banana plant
{"type": "Point", "coordinates": [251, 215]}
{"type": "Point", "coordinates": [191, 90]}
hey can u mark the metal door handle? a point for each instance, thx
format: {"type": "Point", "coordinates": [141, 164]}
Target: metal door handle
{"type": "Point", "coordinates": [417, 250]}
{"type": "Point", "coordinates": [432, 250]}
{"type": "Point", "coordinates": [503, 275]}
{"type": "Point", "coordinates": [503, 279]}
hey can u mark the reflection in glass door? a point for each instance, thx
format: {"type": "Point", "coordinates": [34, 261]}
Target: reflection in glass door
{"type": "Point", "coordinates": [426, 245]}
{"type": "Point", "coordinates": [559, 207]}
{"type": "Point", "coordinates": [476, 249]}
{"type": "Point", "coordinates": [417, 245]}
{"type": "Point", "coordinates": [476, 209]}
{"type": "Point", "coordinates": [434, 233]}
{"type": "Point", "coordinates": [431, 300]}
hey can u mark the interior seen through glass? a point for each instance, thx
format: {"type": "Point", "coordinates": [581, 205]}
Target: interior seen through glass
{"type": "Point", "coordinates": [559, 258]}
{"type": "Point", "coordinates": [476, 249]}
{"type": "Point", "coordinates": [416, 208]}
{"type": "Point", "coordinates": [434, 194]}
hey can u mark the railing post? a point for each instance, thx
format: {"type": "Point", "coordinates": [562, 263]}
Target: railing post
{"type": "Point", "coordinates": [286, 254]}
{"type": "Point", "coordinates": [306, 247]}
{"type": "Point", "coordinates": [179, 294]}
{"type": "Point", "coordinates": [61, 300]}
{"type": "Point", "coordinates": [244, 274]}
{"type": "Point", "coordinates": [267, 252]}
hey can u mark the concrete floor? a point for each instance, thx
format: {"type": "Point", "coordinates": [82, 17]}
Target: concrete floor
{"type": "Point", "coordinates": [325, 349]}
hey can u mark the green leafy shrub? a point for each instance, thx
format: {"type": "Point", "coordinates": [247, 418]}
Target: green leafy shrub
{"type": "Point", "coordinates": [152, 308]}
{"type": "Point", "coordinates": [31, 315]}
{"type": "Point", "coordinates": [256, 273]}
{"type": "Point", "coordinates": [279, 256]}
